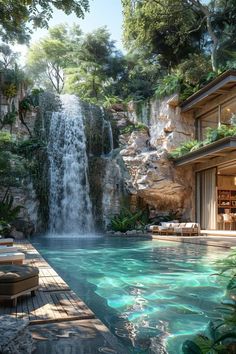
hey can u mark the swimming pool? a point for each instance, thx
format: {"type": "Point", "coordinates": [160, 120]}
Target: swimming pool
{"type": "Point", "coordinates": [153, 295]}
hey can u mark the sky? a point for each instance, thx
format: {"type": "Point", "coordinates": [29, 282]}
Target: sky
{"type": "Point", "coordinates": [102, 13]}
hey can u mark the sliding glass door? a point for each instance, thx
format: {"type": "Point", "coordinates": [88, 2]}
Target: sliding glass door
{"type": "Point", "coordinates": [206, 199]}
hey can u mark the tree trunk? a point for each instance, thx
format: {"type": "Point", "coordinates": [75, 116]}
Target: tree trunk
{"type": "Point", "coordinates": [215, 41]}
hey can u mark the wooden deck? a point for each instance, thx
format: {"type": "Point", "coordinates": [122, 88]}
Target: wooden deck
{"type": "Point", "coordinates": [56, 311]}
{"type": "Point", "coordinates": [54, 300]}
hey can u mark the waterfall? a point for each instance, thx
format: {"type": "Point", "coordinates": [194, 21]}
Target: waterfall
{"type": "Point", "coordinates": [70, 209]}
{"type": "Point", "coordinates": [110, 136]}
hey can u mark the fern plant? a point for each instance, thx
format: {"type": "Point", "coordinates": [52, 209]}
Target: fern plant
{"type": "Point", "coordinates": [128, 220]}
{"type": "Point", "coordinates": [8, 212]}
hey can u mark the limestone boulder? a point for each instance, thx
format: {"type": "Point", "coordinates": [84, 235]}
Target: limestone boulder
{"type": "Point", "coordinates": [153, 176]}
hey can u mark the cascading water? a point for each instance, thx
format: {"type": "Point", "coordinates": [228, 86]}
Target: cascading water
{"type": "Point", "coordinates": [70, 208]}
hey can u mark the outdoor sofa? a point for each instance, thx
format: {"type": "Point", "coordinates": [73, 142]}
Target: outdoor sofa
{"type": "Point", "coordinates": [173, 228]}
{"type": "Point", "coordinates": [17, 280]}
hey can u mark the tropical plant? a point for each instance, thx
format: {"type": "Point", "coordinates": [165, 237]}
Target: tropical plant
{"type": "Point", "coordinates": [134, 127]}
{"type": "Point", "coordinates": [128, 220]}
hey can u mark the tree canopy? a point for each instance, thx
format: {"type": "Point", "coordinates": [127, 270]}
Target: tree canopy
{"type": "Point", "coordinates": [48, 58]}
{"type": "Point", "coordinates": [173, 29]}
{"type": "Point", "coordinates": [69, 61]}
{"type": "Point", "coordinates": [18, 18]}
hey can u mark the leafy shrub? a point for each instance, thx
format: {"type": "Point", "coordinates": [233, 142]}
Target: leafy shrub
{"type": "Point", "coordinates": [184, 148]}
{"type": "Point", "coordinates": [195, 69]}
{"type": "Point", "coordinates": [28, 146]}
{"type": "Point", "coordinates": [134, 127]}
{"type": "Point", "coordinates": [212, 134]}
{"type": "Point", "coordinates": [5, 139]}
{"type": "Point", "coordinates": [168, 85]}
{"type": "Point", "coordinates": [10, 90]}
{"type": "Point", "coordinates": [128, 220]}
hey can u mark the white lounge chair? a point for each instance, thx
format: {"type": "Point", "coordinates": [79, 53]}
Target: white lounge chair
{"type": "Point", "coordinates": [6, 249]}
{"type": "Point", "coordinates": [6, 241]}
{"type": "Point", "coordinates": [12, 258]}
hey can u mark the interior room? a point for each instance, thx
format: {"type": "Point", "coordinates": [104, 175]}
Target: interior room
{"type": "Point", "coordinates": [226, 197]}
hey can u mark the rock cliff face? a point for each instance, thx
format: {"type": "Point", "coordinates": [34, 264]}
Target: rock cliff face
{"type": "Point", "coordinates": [153, 177]}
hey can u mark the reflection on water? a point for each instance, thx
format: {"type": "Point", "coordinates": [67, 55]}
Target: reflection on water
{"type": "Point", "coordinates": [152, 295]}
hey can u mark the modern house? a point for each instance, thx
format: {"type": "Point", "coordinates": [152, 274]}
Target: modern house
{"type": "Point", "coordinates": [213, 165]}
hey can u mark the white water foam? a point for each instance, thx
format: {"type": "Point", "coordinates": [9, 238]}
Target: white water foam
{"type": "Point", "coordinates": [70, 205]}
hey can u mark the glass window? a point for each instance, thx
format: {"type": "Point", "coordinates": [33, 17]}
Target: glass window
{"type": "Point", "coordinates": [228, 113]}
{"type": "Point", "coordinates": [208, 120]}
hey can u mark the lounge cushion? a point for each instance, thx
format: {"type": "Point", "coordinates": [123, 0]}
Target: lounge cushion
{"type": "Point", "coordinates": [16, 279]}
{"type": "Point", "coordinates": [15, 273]}
{"type": "Point", "coordinates": [11, 256]}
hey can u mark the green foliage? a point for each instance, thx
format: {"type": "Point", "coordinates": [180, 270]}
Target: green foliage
{"type": "Point", "coordinates": [134, 127]}
{"type": "Point", "coordinates": [138, 76]}
{"type": "Point", "coordinates": [8, 212]}
{"type": "Point", "coordinates": [15, 16]}
{"type": "Point", "coordinates": [163, 27]}
{"type": "Point", "coordinates": [184, 148]}
{"type": "Point", "coordinates": [187, 78]}
{"type": "Point", "coordinates": [212, 134]}
{"type": "Point", "coordinates": [168, 85]}
{"type": "Point", "coordinates": [10, 90]}
{"type": "Point", "coordinates": [128, 220]}
{"type": "Point", "coordinates": [8, 58]}
{"type": "Point", "coordinates": [8, 119]}
{"type": "Point", "coordinates": [13, 161]}
{"type": "Point", "coordinates": [173, 29]}
{"type": "Point", "coordinates": [5, 139]}
{"type": "Point", "coordinates": [50, 56]}
{"type": "Point", "coordinates": [29, 146]}
{"type": "Point", "coordinates": [95, 66]}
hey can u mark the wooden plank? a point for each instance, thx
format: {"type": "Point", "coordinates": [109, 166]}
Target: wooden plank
{"type": "Point", "coordinates": [58, 309]}
{"type": "Point", "coordinates": [54, 301]}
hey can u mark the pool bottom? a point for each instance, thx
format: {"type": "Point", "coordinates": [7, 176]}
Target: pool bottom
{"type": "Point", "coordinates": [152, 295]}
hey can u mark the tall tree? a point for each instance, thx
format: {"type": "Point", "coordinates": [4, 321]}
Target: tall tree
{"type": "Point", "coordinates": [17, 15]}
{"type": "Point", "coordinates": [8, 58]}
{"type": "Point", "coordinates": [96, 63]}
{"type": "Point", "coordinates": [48, 58]}
{"type": "Point", "coordinates": [176, 28]}
{"type": "Point", "coordinates": [166, 28]}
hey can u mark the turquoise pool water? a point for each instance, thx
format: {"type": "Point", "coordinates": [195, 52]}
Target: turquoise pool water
{"type": "Point", "coordinates": [153, 295]}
